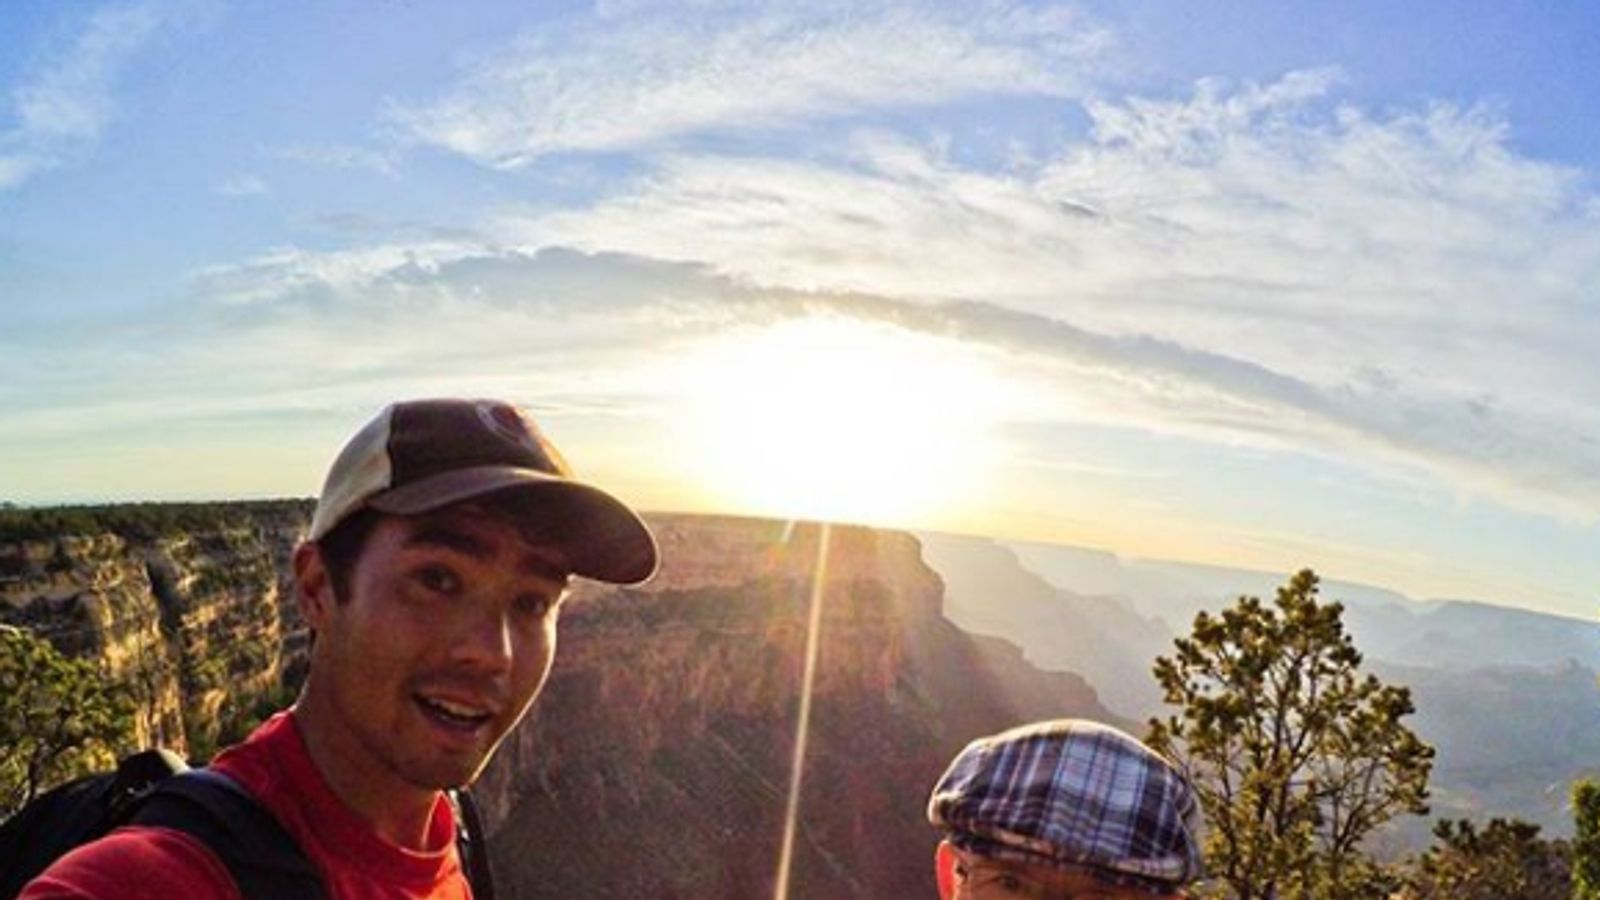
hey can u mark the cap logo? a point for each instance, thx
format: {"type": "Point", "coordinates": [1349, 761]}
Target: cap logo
{"type": "Point", "coordinates": [505, 421]}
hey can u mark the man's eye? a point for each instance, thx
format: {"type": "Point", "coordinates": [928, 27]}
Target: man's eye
{"type": "Point", "coordinates": [438, 579]}
{"type": "Point", "coordinates": [1012, 885]}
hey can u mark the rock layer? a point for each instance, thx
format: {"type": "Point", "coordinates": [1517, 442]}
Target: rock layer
{"type": "Point", "coordinates": [657, 762]}
{"type": "Point", "coordinates": [192, 620]}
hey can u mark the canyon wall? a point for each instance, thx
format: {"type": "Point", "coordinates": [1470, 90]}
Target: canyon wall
{"type": "Point", "coordinates": [657, 762]}
{"type": "Point", "coordinates": [192, 615]}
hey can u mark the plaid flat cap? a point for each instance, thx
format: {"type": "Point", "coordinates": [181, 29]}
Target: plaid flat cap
{"type": "Point", "coordinates": [1075, 794]}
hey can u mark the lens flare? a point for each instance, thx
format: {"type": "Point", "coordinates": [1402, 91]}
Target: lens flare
{"type": "Point", "coordinates": [791, 816]}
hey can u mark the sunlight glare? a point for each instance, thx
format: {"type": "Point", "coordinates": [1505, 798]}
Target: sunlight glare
{"type": "Point", "coordinates": [839, 419]}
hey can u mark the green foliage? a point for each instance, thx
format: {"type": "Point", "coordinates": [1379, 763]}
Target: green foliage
{"type": "Point", "coordinates": [143, 521]}
{"type": "Point", "coordinates": [1295, 754]}
{"type": "Point", "coordinates": [59, 718]}
{"type": "Point", "coordinates": [1505, 861]}
{"type": "Point", "coordinates": [1586, 840]}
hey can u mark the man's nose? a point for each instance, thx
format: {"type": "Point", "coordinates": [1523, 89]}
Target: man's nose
{"type": "Point", "coordinates": [486, 641]}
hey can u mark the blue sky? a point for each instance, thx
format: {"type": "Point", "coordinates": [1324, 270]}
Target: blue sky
{"type": "Point", "coordinates": [1264, 284]}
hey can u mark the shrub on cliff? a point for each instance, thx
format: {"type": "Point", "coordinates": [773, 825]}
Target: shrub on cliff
{"type": "Point", "coordinates": [1505, 860]}
{"type": "Point", "coordinates": [1586, 840]}
{"type": "Point", "coordinates": [59, 718]}
{"type": "Point", "coordinates": [144, 521]}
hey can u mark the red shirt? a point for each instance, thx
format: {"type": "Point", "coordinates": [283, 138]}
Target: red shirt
{"type": "Point", "coordinates": [272, 764]}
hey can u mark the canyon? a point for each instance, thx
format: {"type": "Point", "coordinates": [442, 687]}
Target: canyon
{"type": "Point", "coordinates": [657, 761]}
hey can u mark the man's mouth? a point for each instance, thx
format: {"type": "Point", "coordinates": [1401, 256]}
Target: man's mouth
{"type": "Point", "coordinates": [453, 714]}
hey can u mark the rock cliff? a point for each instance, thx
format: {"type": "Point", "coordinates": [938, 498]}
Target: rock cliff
{"type": "Point", "coordinates": [187, 610]}
{"type": "Point", "coordinates": [657, 762]}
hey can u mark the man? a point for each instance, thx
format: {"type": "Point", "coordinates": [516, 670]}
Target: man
{"type": "Point", "coordinates": [1064, 810]}
{"type": "Point", "coordinates": [431, 579]}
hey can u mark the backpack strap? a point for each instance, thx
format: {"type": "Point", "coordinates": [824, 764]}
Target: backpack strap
{"type": "Point", "coordinates": [262, 857]}
{"type": "Point", "coordinates": [265, 861]}
{"type": "Point", "coordinates": [75, 813]}
{"type": "Point", "coordinates": [472, 844]}
{"type": "Point", "coordinates": [137, 776]}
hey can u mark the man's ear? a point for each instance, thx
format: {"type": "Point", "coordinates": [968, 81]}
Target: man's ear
{"type": "Point", "coordinates": [313, 588]}
{"type": "Point", "coordinates": [944, 867]}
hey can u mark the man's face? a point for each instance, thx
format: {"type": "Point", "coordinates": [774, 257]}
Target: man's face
{"type": "Point", "coordinates": [968, 876]}
{"type": "Point", "coordinates": [444, 639]}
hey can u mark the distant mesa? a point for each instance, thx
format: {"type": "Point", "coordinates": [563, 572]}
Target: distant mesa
{"type": "Point", "coordinates": [1509, 696]}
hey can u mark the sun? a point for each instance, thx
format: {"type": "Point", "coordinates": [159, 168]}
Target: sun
{"type": "Point", "coordinates": [838, 419]}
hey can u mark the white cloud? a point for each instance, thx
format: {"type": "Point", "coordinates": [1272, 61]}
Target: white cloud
{"type": "Point", "coordinates": [1522, 457]}
{"type": "Point", "coordinates": [477, 311]}
{"type": "Point", "coordinates": [295, 331]}
{"type": "Point", "coordinates": [19, 167]}
{"type": "Point", "coordinates": [647, 73]}
{"type": "Point", "coordinates": [293, 275]}
{"type": "Point", "coordinates": [1255, 260]}
{"type": "Point", "coordinates": [65, 105]}
{"type": "Point", "coordinates": [1255, 263]}
{"type": "Point", "coordinates": [298, 326]}
{"type": "Point", "coordinates": [242, 186]}
{"type": "Point", "coordinates": [339, 156]}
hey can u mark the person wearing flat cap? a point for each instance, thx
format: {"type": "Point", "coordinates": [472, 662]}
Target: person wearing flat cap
{"type": "Point", "coordinates": [441, 547]}
{"type": "Point", "coordinates": [1064, 810]}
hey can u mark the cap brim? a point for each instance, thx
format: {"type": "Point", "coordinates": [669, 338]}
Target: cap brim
{"type": "Point", "coordinates": [600, 536]}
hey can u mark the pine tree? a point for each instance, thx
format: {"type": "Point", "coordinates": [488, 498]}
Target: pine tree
{"type": "Point", "coordinates": [1295, 754]}
{"type": "Point", "coordinates": [1586, 840]}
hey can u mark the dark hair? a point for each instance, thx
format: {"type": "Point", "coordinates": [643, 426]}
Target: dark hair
{"type": "Point", "coordinates": [342, 545]}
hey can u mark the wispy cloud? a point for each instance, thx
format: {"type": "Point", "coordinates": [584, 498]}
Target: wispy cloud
{"type": "Point", "coordinates": [647, 73]}
{"type": "Point", "coordinates": [1251, 262]}
{"type": "Point", "coordinates": [1260, 260]}
{"type": "Point", "coordinates": [339, 156]}
{"type": "Point", "coordinates": [477, 311]}
{"type": "Point", "coordinates": [303, 277]}
{"type": "Point", "coordinates": [242, 186]}
{"type": "Point", "coordinates": [295, 331]}
{"type": "Point", "coordinates": [1518, 456]}
{"type": "Point", "coordinates": [65, 105]}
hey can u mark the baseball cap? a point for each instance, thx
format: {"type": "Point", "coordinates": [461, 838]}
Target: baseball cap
{"type": "Point", "coordinates": [420, 455]}
{"type": "Point", "coordinates": [1075, 794]}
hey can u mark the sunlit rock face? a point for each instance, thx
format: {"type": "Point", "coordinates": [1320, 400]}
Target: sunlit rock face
{"type": "Point", "coordinates": [195, 622]}
{"type": "Point", "coordinates": [657, 762]}
{"type": "Point", "coordinates": [91, 596]}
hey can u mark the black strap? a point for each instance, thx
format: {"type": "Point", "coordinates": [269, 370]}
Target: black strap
{"type": "Point", "coordinates": [471, 845]}
{"type": "Point", "coordinates": [262, 857]}
{"type": "Point", "coordinates": [265, 861]}
{"type": "Point", "coordinates": [137, 776]}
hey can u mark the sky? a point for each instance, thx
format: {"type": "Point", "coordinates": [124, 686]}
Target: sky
{"type": "Point", "coordinates": [1263, 284]}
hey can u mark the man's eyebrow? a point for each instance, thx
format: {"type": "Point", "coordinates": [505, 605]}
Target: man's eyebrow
{"type": "Point", "coordinates": [467, 545]}
{"type": "Point", "coordinates": [449, 539]}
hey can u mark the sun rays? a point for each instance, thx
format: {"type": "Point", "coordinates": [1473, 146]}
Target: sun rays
{"type": "Point", "coordinates": [836, 419]}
